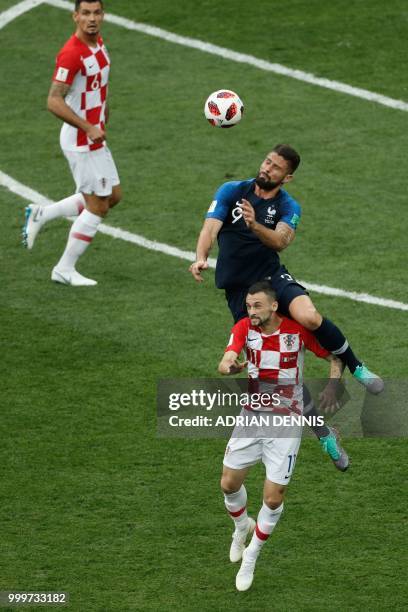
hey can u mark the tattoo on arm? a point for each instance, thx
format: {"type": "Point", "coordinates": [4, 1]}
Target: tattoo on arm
{"type": "Point", "coordinates": [58, 90]}
{"type": "Point", "coordinates": [286, 233]}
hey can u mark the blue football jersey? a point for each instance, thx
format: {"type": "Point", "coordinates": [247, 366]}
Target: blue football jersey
{"type": "Point", "coordinates": [243, 259]}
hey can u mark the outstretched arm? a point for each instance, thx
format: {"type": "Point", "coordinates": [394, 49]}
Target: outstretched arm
{"type": "Point", "coordinates": [56, 104]}
{"type": "Point", "coordinates": [229, 364]}
{"type": "Point", "coordinates": [205, 242]}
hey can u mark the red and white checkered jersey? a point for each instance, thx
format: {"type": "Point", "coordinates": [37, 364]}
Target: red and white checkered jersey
{"type": "Point", "coordinates": [277, 357]}
{"type": "Point", "coordinates": [86, 69]}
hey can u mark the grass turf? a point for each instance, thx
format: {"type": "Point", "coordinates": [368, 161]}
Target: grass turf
{"type": "Point", "coordinates": [92, 502]}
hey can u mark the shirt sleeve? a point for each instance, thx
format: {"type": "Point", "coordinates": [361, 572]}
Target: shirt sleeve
{"type": "Point", "coordinates": [238, 336]}
{"type": "Point", "coordinates": [312, 344]}
{"type": "Point", "coordinates": [224, 197]}
{"type": "Point", "coordinates": [291, 213]}
{"type": "Point", "coordinates": [68, 64]}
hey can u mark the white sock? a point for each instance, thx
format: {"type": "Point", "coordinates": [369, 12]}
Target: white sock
{"type": "Point", "coordinates": [235, 504]}
{"type": "Point", "coordinates": [69, 207]}
{"type": "Point", "coordinates": [265, 524]}
{"type": "Point", "coordinates": [81, 235]}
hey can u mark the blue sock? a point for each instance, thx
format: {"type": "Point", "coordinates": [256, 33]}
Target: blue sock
{"type": "Point", "coordinates": [333, 340]}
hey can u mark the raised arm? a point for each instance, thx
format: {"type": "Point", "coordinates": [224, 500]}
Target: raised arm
{"type": "Point", "coordinates": [206, 239]}
{"type": "Point", "coordinates": [56, 104]}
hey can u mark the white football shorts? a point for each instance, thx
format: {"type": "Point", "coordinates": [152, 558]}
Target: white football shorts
{"type": "Point", "coordinates": [93, 171]}
{"type": "Point", "coordinates": [277, 454]}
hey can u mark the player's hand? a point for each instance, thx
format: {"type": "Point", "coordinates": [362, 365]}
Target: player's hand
{"type": "Point", "coordinates": [248, 213]}
{"type": "Point", "coordinates": [95, 134]}
{"type": "Point", "coordinates": [328, 399]}
{"type": "Point", "coordinates": [237, 367]}
{"type": "Point", "coordinates": [196, 269]}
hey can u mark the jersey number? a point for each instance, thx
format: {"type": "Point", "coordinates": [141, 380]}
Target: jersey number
{"type": "Point", "coordinates": [292, 461]}
{"type": "Point", "coordinates": [236, 212]}
{"type": "Point", "coordinates": [287, 277]}
{"type": "Point", "coordinates": [95, 83]}
{"type": "Point", "coordinates": [254, 357]}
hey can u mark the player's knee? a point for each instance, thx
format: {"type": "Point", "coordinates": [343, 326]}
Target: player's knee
{"type": "Point", "coordinates": [103, 206]}
{"type": "Point", "coordinates": [116, 197]}
{"type": "Point", "coordinates": [228, 485]}
{"type": "Point", "coordinates": [274, 499]}
{"type": "Point", "coordinates": [97, 205]}
{"type": "Point", "coordinates": [310, 318]}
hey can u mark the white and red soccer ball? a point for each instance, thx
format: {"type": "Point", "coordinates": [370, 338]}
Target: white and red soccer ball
{"type": "Point", "coordinates": [224, 108]}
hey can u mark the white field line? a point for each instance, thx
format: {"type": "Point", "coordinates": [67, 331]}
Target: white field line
{"type": "Point", "coordinates": [30, 195]}
{"type": "Point", "coordinates": [33, 196]}
{"type": "Point", "coordinates": [17, 10]}
{"type": "Point", "coordinates": [243, 58]}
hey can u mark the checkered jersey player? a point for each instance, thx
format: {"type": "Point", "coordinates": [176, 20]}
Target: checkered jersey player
{"type": "Point", "coordinates": [274, 348]}
{"type": "Point", "coordinates": [253, 221]}
{"type": "Point", "coordinates": [78, 96]}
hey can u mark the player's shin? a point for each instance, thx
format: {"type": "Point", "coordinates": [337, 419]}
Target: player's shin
{"type": "Point", "coordinates": [244, 525]}
{"type": "Point", "coordinates": [81, 235]}
{"type": "Point", "coordinates": [68, 207]}
{"type": "Point", "coordinates": [235, 504]}
{"type": "Point", "coordinates": [266, 522]}
{"type": "Point", "coordinates": [332, 339]}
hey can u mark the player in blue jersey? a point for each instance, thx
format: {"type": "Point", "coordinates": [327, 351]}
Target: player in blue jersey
{"type": "Point", "coordinates": [253, 221]}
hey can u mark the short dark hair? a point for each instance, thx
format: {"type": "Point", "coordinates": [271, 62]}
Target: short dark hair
{"type": "Point", "coordinates": [288, 153]}
{"type": "Point", "coordinates": [262, 287]}
{"type": "Point", "coordinates": [79, 2]}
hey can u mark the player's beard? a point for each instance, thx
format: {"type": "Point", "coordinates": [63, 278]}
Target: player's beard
{"type": "Point", "coordinates": [265, 184]}
{"type": "Point", "coordinates": [259, 321]}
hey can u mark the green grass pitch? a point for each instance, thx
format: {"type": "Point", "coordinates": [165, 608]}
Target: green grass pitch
{"type": "Point", "coordinates": [92, 502]}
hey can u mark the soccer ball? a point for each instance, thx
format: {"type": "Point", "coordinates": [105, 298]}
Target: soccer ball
{"type": "Point", "coordinates": [224, 108]}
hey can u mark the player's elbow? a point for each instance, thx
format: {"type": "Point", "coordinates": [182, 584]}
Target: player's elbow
{"type": "Point", "coordinates": [275, 243]}
{"type": "Point", "coordinates": [53, 105]}
{"type": "Point", "coordinates": [282, 244]}
{"type": "Point", "coordinates": [50, 104]}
